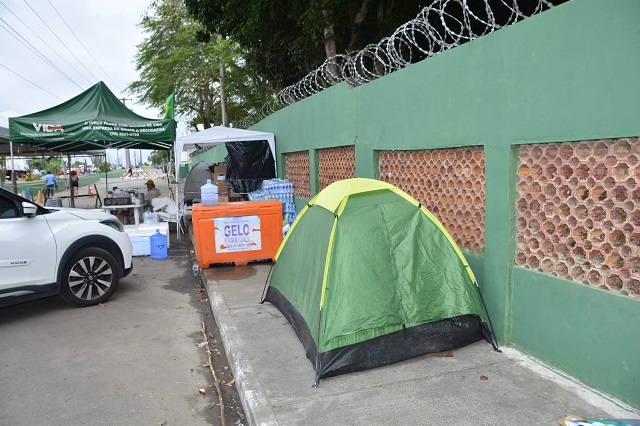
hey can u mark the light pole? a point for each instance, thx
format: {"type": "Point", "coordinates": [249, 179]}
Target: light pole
{"type": "Point", "coordinates": [127, 154]}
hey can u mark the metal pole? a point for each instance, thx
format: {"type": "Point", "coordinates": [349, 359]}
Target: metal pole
{"type": "Point", "coordinates": [72, 201]}
{"type": "Point", "coordinates": [14, 184]}
{"type": "Point", "coordinates": [176, 175]}
{"type": "Point", "coordinates": [106, 174]}
{"type": "Point", "coordinates": [3, 172]}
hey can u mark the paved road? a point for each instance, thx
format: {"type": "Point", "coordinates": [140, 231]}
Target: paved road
{"type": "Point", "coordinates": [132, 362]}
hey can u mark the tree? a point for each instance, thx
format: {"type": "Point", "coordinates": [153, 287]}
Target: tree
{"type": "Point", "coordinates": [177, 58]}
{"type": "Point", "coordinates": [51, 164]}
{"type": "Point", "coordinates": [99, 162]}
{"type": "Point", "coordinates": [159, 157]}
{"type": "Point", "coordinates": [286, 39]}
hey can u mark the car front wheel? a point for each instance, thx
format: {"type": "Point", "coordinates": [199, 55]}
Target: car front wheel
{"type": "Point", "coordinates": [90, 277]}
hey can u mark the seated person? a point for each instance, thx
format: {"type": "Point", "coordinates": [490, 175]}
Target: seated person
{"type": "Point", "coordinates": [152, 192]}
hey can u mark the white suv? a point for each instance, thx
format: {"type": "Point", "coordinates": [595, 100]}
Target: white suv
{"type": "Point", "coordinates": [79, 254]}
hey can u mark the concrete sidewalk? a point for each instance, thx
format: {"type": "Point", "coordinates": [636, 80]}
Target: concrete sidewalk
{"type": "Point", "coordinates": [275, 378]}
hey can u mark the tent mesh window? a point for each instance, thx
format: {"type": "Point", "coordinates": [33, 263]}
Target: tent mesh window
{"type": "Point", "coordinates": [578, 207]}
{"type": "Point", "coordinates": [335, 164]}
{"type": "Point", "coordinates": [449, 182]}
{"type": "Point", "coordinates": [297, 170]}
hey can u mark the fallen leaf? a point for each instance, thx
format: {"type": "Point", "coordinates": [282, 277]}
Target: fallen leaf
{"type": "Point", "coordinates": [102, 305]}
{"type": "Point", "coordinates": [447, 354]}
{"type": "Point", "coordinates": [484, 378]}
{"type": "Point", "coordinates": [224, 367]}
{"type": "Point", "coordinates": [205, 365]}
{"type": "Point", "coordinates": [202, 391]}
{"type": "Point", "coordinates": [215, 341]}
{"type": "Point", "coordinates": [201, 344]}
{"type": "Point", "coordinates": [231, 382]}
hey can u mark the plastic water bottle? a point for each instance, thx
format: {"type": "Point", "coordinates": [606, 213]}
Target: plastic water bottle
{"type": "Point", "coordinates": [209, 194]}
{"type": "Point", "coordinates": [158, 245]}
{"type": "Point", "coordinates": [285, 229]}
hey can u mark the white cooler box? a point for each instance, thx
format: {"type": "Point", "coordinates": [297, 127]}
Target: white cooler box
{"type": "Point", "coordinates": [141, 245]}
{"type": "Point", "coordinates": [140, 236]}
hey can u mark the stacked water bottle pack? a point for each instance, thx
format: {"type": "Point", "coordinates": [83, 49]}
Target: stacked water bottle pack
{"type": "Point", "coordinates": [278, 189]}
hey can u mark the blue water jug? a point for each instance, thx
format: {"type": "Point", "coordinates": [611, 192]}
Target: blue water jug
{"type": "Point", "coordinates": [158, 246]}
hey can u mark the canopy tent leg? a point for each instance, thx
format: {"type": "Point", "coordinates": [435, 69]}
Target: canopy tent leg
{"type": "Point", "coordinates": [14, 183]}
{"type": "Point", "coordinates": [72, 200]}
{"type": "Point", "coordinates": [176, 175]}
{"type": "Point", "coordinates": [3, 173]}
{"type": "Point", "coordinates": [106, 175]}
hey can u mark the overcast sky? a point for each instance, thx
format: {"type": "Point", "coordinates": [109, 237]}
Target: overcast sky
{"type": "Point", "coordinates": [108, 29]}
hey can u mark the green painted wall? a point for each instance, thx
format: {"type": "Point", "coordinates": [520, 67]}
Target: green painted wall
{"type": "Point", "coordinates": [322, 121]}
{"type": "Point", "coordinates": [215, 155]}
{"type": "Point", "coordinates": [589, 333]}
{"type": "Point", "coordinates": [568, 74]}
{"type": "Point", "coordinates": [184, 171]}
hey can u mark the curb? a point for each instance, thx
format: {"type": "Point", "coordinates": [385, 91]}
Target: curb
{"type": "Point", "coordinates": [257, 408]}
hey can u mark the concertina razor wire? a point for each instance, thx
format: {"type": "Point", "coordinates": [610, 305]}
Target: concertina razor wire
{"type": "Point", "coordinates": [441, 26]}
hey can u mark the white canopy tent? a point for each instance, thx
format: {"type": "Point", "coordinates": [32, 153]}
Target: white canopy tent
{"type": "Point", "coordinates": [217, 135]}
{"type": "Point", "coordinates": [214, 136]}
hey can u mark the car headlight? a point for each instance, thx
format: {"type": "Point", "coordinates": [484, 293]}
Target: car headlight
{"type": "Point", "coordinates": [113, 223]}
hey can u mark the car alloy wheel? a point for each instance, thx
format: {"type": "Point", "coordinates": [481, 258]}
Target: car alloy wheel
{"type": "Point", "coordinates": [90, 277]}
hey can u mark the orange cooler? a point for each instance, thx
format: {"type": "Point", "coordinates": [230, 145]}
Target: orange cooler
{"type": "Point", "coordinates": [237, 232]}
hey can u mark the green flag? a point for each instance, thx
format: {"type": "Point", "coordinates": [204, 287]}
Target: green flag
{"type": "Point", "coordinates": [168, 107]}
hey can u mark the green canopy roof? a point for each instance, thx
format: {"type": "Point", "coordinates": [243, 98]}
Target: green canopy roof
{"type": "Point", "coordinates": [95, 119]}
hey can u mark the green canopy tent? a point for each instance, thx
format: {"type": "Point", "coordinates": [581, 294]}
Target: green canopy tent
{"type": "Point", "coordinates": [28, 150]}
{"type": "Point", "coordinates": [367, 276]}
{"type": "Point", "coordinates": [93, 120]}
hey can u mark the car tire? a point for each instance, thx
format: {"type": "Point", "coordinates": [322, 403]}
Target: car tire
{"type": "Point", "coordinates": [90, 277]}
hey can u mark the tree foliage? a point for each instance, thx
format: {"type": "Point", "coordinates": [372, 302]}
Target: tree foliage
{"type": "Point", "coordinates": [286, 39]}
{"type": "Point", "coordinates": [99, 161]}
{"type": "Point", "coordinates": [176, 58]}
{"type": "Point", "coordinates": [51, 164]}
{"type": "Point", "coordinates": [159, 157]}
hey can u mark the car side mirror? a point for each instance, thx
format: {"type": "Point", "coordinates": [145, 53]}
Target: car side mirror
{"type": "Point", "coordinates": [29, 209]}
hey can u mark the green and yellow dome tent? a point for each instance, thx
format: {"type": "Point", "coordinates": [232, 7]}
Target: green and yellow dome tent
{"type": "Point", "coordinates": [367, 277]}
